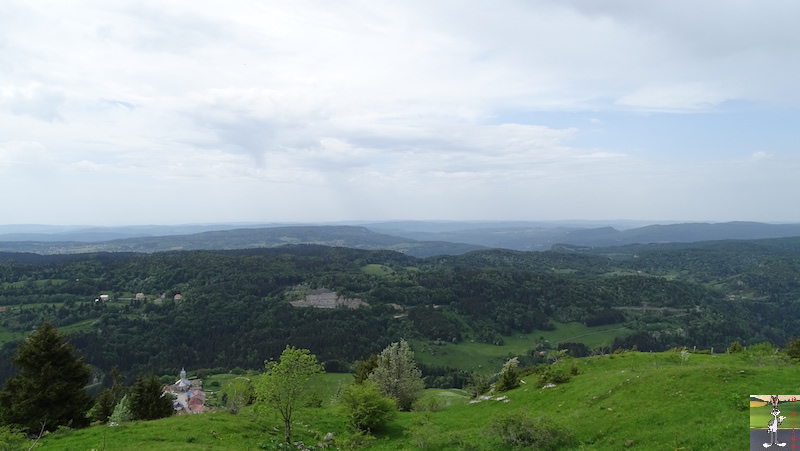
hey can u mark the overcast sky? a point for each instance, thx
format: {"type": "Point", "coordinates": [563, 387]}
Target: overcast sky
{"type": "Point", "coordinates": [164, 112]}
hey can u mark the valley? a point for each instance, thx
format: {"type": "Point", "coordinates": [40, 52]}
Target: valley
{"type": "Point", "coordinates": [633, 320]}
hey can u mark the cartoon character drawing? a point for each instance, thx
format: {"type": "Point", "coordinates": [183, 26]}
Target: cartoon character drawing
{"type": "Point", "coordinates": [772, 425]}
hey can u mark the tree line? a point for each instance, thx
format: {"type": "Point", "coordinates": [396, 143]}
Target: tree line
{"type": "Point", "coordinates": [49, 391]}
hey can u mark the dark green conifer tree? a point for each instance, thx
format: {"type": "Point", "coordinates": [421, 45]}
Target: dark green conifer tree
{"type": "Point", "coordinates": [364, 368]}
{"type": "Point", "coordinates": [108, 399]}
{"type": "Point", "coordinates": [49, 389]}
{"type": "Point", "coordinates": [148, 401]}
{"type": "Point", "coordinates": [103, 406]}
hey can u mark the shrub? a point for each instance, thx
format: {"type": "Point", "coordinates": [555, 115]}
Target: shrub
{"type": "Point", "coordinates": [509, 377]}
{"type": "Point", "coordinates": [429, 404]}
{"type": "Point", "coordinates": [793, 348]}
{"type": "Point", "coordinates": [122, 412]}
{"type": "Point", "coordinates": [423, 433]}
{"type": "Point", "coordinates": [12, 439]}
{"type": "Point", "coordinates": [478, 384]}
{"type": "Point", "coordinates": [552, 376]}
{"type": "Point", "coordinates": [313, 400]}
{"type": "Point", "coordinates": [520, 429]}
{"type": "Point", "coordinates": [735, 348]}
{"type": "Point", "coordinates": [358, 440]}
{"type": "Point", "coordinates": [365, 407]}
{"type": "Point", "coordinates": [763, 354]}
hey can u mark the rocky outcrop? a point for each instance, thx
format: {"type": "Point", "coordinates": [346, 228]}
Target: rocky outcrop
{"type": "Point", "coordinates": [324, 298]}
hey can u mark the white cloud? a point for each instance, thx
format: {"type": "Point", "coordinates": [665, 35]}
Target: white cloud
{"type": "Point", "coordinates": [761, 155]}
{"type": "Point", "coordinates": [33, 100]}
{"type": "Point", "coordinates": [375, 109]}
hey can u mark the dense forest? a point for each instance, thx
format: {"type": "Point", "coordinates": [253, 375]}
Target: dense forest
{"type": "Point", "coordinates": [234, 308]}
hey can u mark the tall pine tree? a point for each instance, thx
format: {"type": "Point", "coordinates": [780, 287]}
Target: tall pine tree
{"type": "Point", "coordinates": [148, 401]}
{"type": "Point", "coordinates": [49, 389]}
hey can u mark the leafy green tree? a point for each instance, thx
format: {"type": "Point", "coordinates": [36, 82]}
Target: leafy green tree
{"type": "Point", "coordinates": [365, 407]}
{"type": "Point", "coordinates": [122, 411]}
{"type": "Point", "coordinates": [49, 390]}
{"type": "Point", "coordinates": [397, 375]}
{"type": "Point", "coordinates": [239, 392]}
{"type": "Point", "coordinates": [148, 401]}
{"type": "Point", "coordinates": [285, 385]}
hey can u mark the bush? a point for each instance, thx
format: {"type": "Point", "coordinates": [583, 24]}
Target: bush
{"type": "Point", "coordinates": [12, 439]}
{"type": "Point", "coordinates": [365, 408]}
{"type": "Point", "coordinates": [478, 384]}
{"type": "Point", "coordinates": [735, 348]}
{"type": "Point", "coordinates": [521, 430]}
{"type": "Point", "coordinates": [552, 376]}
{"type": "Point", "coordinates": [509, 377]}
{"type": "Point", "coordinates": [793, 348]}
{"type": "Point", "coordinates": [423, 433]}
{"type": "Point", "coordinates": [122, 411]}
{"type": "Point", "coordinates": [358, 440]}
{"type": "Point", "coordinates": [429, 404]}
{"type": "Point", "coordinates": [764, 354]}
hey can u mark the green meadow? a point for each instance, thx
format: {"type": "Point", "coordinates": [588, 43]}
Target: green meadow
{"type": "Point", "coordinates": [485, 357]}
{"type": "Point", "coordinates": [648, 401]}
{"type": "Point", "coordinates": [377, 270]}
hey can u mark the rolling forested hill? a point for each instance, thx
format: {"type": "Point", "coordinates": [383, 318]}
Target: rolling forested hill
{"type": "Point", "coordinates": [233, 308]}
{"type": "Point", "coordinates": [239, 238]}
{"type": "Point", "coordinates": [417, 238]}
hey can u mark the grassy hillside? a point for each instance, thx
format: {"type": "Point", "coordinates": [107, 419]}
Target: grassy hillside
{"type": "Point", "coordinates": [648, 401]}
{"type": "Point", "coordinates": [484, 357]}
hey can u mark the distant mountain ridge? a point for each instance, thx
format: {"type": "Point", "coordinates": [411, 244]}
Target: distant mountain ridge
{"type": "Point", "coordinates": [416, 238]}
{"type": "Point", "coordinates": [538, 236]}
{"type": "Point", "coordinates": [245, 238]}
{"type": "Point", "coordinates": [682, 233]}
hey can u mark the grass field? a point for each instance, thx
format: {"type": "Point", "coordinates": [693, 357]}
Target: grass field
{"type": "Point", "coordinates": [83, 325]}
{"type": "Point", "coordinates": [484, 357]}
{"type": "Point", "coordinates": [6, 335]}
{"type": "Point", "coordinates": [377, 270]}
{"type": "Point", "coordinates": [618, 401]}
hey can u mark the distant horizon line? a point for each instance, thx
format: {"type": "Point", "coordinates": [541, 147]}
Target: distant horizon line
{"type": "Point", "coordinates": [389, 221]}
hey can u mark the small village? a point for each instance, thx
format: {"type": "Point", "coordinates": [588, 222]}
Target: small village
{"type": "Point", "coordinates": [189, 395]}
